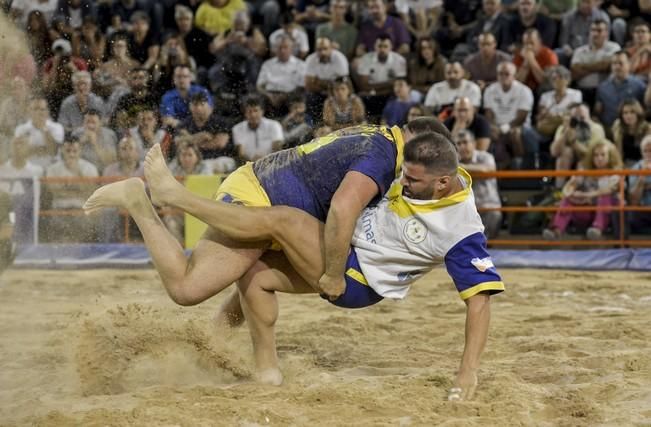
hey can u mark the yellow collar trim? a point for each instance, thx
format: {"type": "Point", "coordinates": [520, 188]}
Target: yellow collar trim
{"type": "Point", "coordinates": [404, 208]}
{"type": "Point", "coordinates": [400, 147]}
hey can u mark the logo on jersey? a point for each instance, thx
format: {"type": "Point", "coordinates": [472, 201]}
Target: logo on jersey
{"type": "Point", "coordinates": [482, 264]}
{"type": "Point", "coordinates": [415, 231]}
{"type": "Point", "coordinates": [406, 276]}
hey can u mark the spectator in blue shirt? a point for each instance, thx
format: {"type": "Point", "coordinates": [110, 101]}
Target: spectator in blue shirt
{"type": "Point", "coordinates": [620, 86]}
{"type": "Point", "coordinates": [395, 112]}
{"type": "Point", "coordinates": [175, 105]}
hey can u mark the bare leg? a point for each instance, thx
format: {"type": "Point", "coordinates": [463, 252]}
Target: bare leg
{"type": "Point", "coordinates": [215, 263]}
{"type": "Point", "coordinates": [257, 289]}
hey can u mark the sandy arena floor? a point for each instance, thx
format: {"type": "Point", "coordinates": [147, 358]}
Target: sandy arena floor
{"type": "Point", "coordinates": [108, 348]}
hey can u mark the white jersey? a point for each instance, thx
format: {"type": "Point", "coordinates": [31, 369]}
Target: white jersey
{"type": "Point", "coordinates": [401, 239]}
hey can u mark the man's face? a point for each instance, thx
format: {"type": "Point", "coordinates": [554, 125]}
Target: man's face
{"type": "Point", "coordinates": [39, 111]}
{"type": "Point", "coordinates": [505, 75]}
{"type": "Point", "coordinates": [376, 9]}
{"type": "Point", "coordinates": [71, 152]}
{"type": "Point", "coordinates": [200, 110]}
{"type": "Point", "coordinates": [82, 87]}
{"type": "Point", "coordinates": [253, 115]}
{"type": "Point", "coordinates": [339, 8]}
{"type": "Point", "coordinates": [138, 80]}
{"type": "Point", "coordinates": [182, 78]}
{"type": "Point", "coordinates": [466, 148]}
{"type": "Point", "coordinates": [598, 34]}
{"type": "Point", "coordinates": [92, 122]}
{"type": "Point", "coordinates": [453, 73]}
{"type": "Point", "coordinates": [641, 35]}
{"type": "Point", "coordinates": [417, 182]}
{"type": "Point", "coordinates": [184, 23]}
{"type": "Point", "coordinates": [383, 48]}
{"type": "Point", "coordinates": [401, 89]}
{"type": "Point", "coordinates": [526, 8]}
{"type": "Point", "coordinates": [285, 50]}
{"type": "Point", "coordinates": [323, 49]}
{"type": "Point", "coordinates": [531, 41]}
{"type": "Point", "coordinates": [585, 7]}
{"type": "Point", "coordinates": [620, 66]}
{"type": "Point", "coordinates": [127, 151]}
{"type": "Point", "coordinates": [487, 45]}
{"type": "Point", "coordinates": [490, 7]}
{"type": "Point", "coordinates": [463, 110]}
{"type": "Point", "coordinates": [141, 26]}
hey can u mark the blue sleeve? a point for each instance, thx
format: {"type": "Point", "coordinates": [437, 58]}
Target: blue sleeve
{"type": "Point", "coordinates": [378, 162]}
{"type": "Point", "coordinates": [471, 267]}
{"type": "Point", "coordinates": [166, 106]}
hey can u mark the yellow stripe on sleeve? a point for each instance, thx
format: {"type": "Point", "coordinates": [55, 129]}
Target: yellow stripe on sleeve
{"type": "Point", "coordinates": [356, 275]}
{"type": "Point", "coordinates": [486, 286]}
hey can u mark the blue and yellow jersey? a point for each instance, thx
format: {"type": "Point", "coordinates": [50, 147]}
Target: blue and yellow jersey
{"type": "Point", "coordinates": [306, 177]}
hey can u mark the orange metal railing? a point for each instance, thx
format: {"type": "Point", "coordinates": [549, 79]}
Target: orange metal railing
{"type": "Point", "coordinates": [621, 207]}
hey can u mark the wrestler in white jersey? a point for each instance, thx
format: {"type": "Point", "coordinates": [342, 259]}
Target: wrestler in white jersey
{"type": "Point", "coordinates": [401, 239]}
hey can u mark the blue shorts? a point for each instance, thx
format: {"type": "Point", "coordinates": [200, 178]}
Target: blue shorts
{"type": "Point", "coordinates": [358, 293]}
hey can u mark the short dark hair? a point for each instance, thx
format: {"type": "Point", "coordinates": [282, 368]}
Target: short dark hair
{"type": "Point", "coordinates": [199, 98]}
{"type": "Point", "coordinates": [93, 112]}
{"type": "Point", "coordinates": [428, 124]}
{"type": "Point", "coordinates": [434, 151]}
{"type": "Point", "coordinates": [252, 100]}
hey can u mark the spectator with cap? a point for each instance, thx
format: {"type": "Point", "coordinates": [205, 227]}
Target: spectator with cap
{"type": "Point", "coordinates": [532, 59]}
{"type": "Point", "coordinates": [281, 76]}
{"type": "Point", "coordinates": [376, 73]}
{"type": "Point", "coordinates": [484, 189]}
{"type": "Point", "coordinates": [342, 34]}
{"type": "Point", "coordinates": [321, 68]}
{"type": "Point", "coordinates": [175, 104]}
{"type": "Point", "coordinates": [592, 61]}
{"type": "Point", "coordinates": [465, 117]}
{"type": "Point", "coordinates": [206, 129]}
{"type": "Point", "coordinates": [144, 44]}
{"type": "Point", "coordinates": [575, 28]}
{"type": "Point", "coordinates": [256, 136]}
{"type": "Point", "coordinates": [98, 143]}
{"type": "Point", "coordinates": [216, 16]}
{"type": "Point", "coordinates": [617, 88]}
{"type": "Point", "coordinates": [441, 96]}
{"type": "Point", "coordinates": [73, 108]}
{"type": "Point", "coordinates": [508, 105]}
{"type": "Point", "coordinates": [380, 23]}
{"type": "Point", "coordinates": [43, 134]}
{"type": "Point", "coordinates": [426, 65]}
{"type": "Point", "coordinates": [482, 66]}
{"type": "Point", "coordinates": [57, 74]}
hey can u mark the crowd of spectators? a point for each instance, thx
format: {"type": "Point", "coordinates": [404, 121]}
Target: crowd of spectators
{"type": "Point", "coordinates": [521, 85]}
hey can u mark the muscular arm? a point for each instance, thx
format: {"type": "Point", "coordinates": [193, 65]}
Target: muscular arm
{"type": "Point", "coordinates": [477, 321]}
{"type": "Point", "coordinates": [354, 193]}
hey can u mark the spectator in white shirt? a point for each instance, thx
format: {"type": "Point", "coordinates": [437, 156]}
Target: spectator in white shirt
{"type": "Point", "coordinates": [256, 136]}
{"type": "Point", "coordinates": [507, 105]}
{"type": "Point", "coordinates": [18, 167]}
{"type": "Point", "coordinates": [44, 135]}
{"type": "Point", "coordinates": [289, 27]}
{"type": "Point", "coordinates": [281, 76]}
{"type": "Point", "coordinates": [376, 73]}
{"type": "Point", "coordinates": [321, 68]}
{"type": "Point", "coordinates": [441, 96]}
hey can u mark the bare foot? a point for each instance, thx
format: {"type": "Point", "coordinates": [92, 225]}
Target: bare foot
{"type": "Point", "coordinates": [122, 194]}
{"type": "Point", "coordinates": [271, 376]}
{"type": "Point", "coordinates": [162, 185]}
{"type": "Point", "coordinates": [230, 313]}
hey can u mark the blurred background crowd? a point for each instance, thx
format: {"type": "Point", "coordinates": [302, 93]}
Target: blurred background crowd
{"type": "Point", "coordinates": [554, 84]}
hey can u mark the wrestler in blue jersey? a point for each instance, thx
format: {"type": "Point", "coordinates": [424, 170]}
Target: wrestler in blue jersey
{"type": "Point", "coordinates": [306, 177]}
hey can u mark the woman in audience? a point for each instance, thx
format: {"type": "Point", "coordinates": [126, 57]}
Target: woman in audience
{"type": "Point", "coordinates": [343, 108]}
{"type": "Point", "coordinates": [38, 37]}
{"type": "Point", "coordinates": [589, 191]}
{"type": "Point", "coordinates": [629, 129]}
{"type": "Point", "coordinates": [89, 43]}
{"type": "Point", "coordinates": [115, 71]}
{"type": "Point", "coordinates": [639, 192]}
{"type": "Point", "coordinates": [555, 104]}
{"type": "Point", "coordinates": [427, 66]}
{"type": "Point", "coordinates": [417, 110]}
